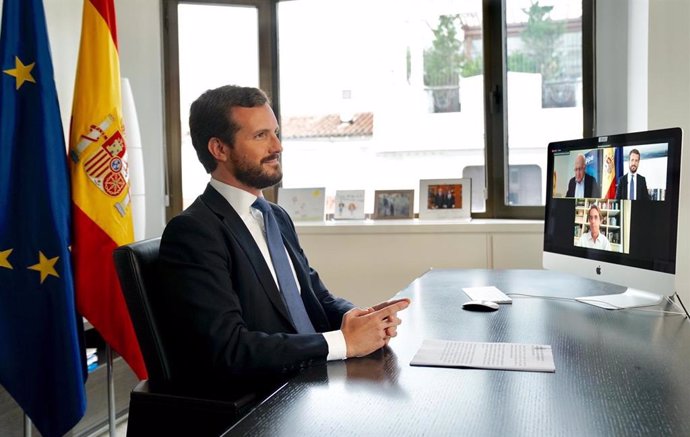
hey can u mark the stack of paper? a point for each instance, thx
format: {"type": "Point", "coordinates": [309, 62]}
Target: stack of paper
{"type": "Point", "coordinates": [501, 356]}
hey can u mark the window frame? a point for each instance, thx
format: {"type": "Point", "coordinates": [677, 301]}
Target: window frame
{"type": "Point", "coordinates": [268, 81]}
{"type": "Point", "coordinates": [495, 77]}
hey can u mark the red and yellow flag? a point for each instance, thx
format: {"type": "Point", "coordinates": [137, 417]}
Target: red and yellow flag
{"type": "Point", "coordinates": [100, 190]}
{"type": "Point", "coordinates": [608, 184]}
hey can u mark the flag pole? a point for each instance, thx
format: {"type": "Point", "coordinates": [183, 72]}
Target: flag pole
{"type": "Point", "coordinates": [27, 426]}
{"type": "Point", "coordinates": [111, 389]}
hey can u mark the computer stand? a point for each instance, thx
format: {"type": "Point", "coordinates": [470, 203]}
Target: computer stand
{"type": "Point", "coordinates": [631, 298]}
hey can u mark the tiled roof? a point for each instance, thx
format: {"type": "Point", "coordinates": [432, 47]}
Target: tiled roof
{"type": "Point", "coordinates": [362, 125]}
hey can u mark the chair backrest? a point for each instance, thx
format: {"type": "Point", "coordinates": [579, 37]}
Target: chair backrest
{"type": "Point", "coordinates": [137, 267]}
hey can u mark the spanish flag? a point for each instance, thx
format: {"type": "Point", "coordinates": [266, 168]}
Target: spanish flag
{"type": "Point", "coordinates": [609, 177]}
{"type": "Point", "coordinates": [102, 214]}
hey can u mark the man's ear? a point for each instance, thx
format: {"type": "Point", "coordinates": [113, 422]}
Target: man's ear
{"type": "Point", "coordinates": [217, 149]}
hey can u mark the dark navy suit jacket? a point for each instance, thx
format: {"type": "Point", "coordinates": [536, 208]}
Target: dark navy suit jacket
{"type": "Point", "coordinates": [592, 188]}
{"type": "Point", "coordinates": [222, 315]}
{"type": "Point", "coordinates": [641, 191]}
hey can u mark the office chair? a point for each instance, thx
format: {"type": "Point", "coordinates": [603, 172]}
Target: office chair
{"type": "Point", "coordinates": [157, 406]}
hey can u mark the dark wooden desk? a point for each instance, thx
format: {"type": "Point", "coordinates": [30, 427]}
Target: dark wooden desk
{"type": "Point", "coordinates": [618, 373]}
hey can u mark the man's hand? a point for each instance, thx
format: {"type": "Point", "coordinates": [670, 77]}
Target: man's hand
{"type": "Point", "coordinates": [367, 330]}
{"type": "Point", "coordinates": [393, 330]}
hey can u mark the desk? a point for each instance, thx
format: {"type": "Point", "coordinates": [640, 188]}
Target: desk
{"type": "Point", "coordinates": [618, 373]}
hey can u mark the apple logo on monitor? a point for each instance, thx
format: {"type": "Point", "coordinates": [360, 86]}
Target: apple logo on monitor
{"type": "Point", "coordinates": [598, 270]}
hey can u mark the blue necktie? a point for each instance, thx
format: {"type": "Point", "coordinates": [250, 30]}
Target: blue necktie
{"type": "Point", "coordinates": [281, 264]}
{"type": "Point", "coordinates": [632, 188]}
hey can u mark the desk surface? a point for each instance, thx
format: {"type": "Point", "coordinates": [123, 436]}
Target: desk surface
{"type": "Point", "coordinates": [617, 372]}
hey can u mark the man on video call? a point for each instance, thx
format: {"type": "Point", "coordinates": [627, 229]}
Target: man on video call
{"type": "Point", "coordinates": [239, 300]}
{"type": "Point", "coordinates": [582, 184]}
{"type": "Point", "coordinates": [631, 185]}
{"type": "Point", "coordinates": [594, 239]}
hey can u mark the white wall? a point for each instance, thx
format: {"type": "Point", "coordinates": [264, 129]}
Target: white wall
{"type": "Point", "coordinates": [621, 66]}
{"type": "Point", "coordinates": [646, 85]}
{"type": "Point", "coordinates": [369, 263]}
{"type": "Point", "coordinates": [141, 60]}
{"type": "Point", "coordinates": [669, 104]}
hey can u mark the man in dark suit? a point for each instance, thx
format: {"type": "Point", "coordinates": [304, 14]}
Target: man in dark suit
{"type": "Point", "coordinates": [582, 184]}
{"type": "Point", "coordinates": [637, 182]}
{"type": "Point", "coordinates": [223, 315]}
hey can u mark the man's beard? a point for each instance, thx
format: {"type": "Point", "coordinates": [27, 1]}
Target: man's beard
{"type": "Point", "coordinates": [255, 176]}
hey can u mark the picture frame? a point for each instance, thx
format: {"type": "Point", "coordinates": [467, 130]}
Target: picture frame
{"type": "Point", "coordinates": [393, 204]}
{"type": "Point", "coordinates": [445, 199]}
{"type": "Point", "coordinates": [349, 205]}
{"type": "Point", "coordinates": [303, 204]}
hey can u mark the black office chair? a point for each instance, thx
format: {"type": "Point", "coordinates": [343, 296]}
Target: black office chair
{"type": "Point", "coordinates": [157, 406]}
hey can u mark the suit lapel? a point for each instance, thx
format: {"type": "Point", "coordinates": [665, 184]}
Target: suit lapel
{"type": "Point", "coordinates": [238, 230]}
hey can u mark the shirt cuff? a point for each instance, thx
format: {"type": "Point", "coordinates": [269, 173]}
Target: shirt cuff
{"type": "Point", "coordinates": [337, 348]}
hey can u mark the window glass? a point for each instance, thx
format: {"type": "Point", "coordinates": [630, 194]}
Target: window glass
{"type": "Point", "coordinates": [544, 89]}
{"type": "Point", "coordinates": [215, 49]}
{"type": "Point", "coordinates": [378, 94]}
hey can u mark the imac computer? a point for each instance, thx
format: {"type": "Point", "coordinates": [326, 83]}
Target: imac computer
{"type": "Point", "coordinates": [612, 213]}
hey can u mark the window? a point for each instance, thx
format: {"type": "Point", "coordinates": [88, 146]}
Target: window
{"type": "Point", "coordinates": [544, 89]}
{"type": "Point", "coordinates": [211, 27]}
{"type": "Point", "coordinates": [378, 94]}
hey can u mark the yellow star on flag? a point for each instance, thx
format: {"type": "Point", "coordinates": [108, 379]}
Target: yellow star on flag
{"type": "Point", "coordinates": [45, 266]}
{"type": "Point", "coordinates": [4, 258]}
{"type": "Point", "coordinates": [21, 72]}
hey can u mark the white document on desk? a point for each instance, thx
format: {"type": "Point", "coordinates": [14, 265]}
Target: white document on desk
{"type": "Point", "coordinates": [476, 355]}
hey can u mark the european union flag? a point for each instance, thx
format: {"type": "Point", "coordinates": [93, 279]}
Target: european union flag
{"type": "Point", "coordinates": [40, 357]}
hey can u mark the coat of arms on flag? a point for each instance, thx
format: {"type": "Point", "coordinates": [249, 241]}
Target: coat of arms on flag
{"type": "Point", "coordinates": [107, 168]}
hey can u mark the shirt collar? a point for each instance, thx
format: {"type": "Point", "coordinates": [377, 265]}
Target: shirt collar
{"type": "Point", "coordinates": [240, 200]}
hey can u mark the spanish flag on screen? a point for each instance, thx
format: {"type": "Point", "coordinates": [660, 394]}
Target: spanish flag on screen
{"type": "Point", "coordinates": [609, 173]}
{"type": "Point", "coordinates": [102, 213]}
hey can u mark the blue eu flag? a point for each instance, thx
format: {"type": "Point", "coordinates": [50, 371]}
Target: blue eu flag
{"type": "Point", "coordinates": [40, 357]}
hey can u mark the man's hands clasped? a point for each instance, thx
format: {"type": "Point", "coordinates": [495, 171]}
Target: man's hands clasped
{"type": "Point", "coordinates": [367, 330]}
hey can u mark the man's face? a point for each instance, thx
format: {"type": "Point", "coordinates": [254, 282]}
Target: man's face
{"type": "Point", "coordinates": [254, 158]}
{"type": "Point", "coordinates": [633, 162]}
{"type": "Point", "coordinates": [594, 222]}
{"type": "Point", "coordinates": [579, 169]}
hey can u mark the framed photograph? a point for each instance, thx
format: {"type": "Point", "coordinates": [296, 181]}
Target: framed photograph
{"type": "Point", "coordinates": [394, 204]}
{"type": "Point", "coordinates": [349, 205]}
{"type": "Point", "coordinates": [303, 204]}
{"type": "Point", "coordinates": [445, 198]}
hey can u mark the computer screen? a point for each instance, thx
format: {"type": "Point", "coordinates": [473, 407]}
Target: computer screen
{"type": "Point", "coordinates": [612, 213]}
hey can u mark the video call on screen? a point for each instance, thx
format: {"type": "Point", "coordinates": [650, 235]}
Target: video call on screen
{"type": "Point", "coordinates": [597, 210]}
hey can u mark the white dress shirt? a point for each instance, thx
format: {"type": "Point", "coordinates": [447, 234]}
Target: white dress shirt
{"type": "Point", "coordinates": [602, 242]}
{"type": "Point", "coordinates": [242, 201]}
{"type": "Point", "coordinates": [580, 188]}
